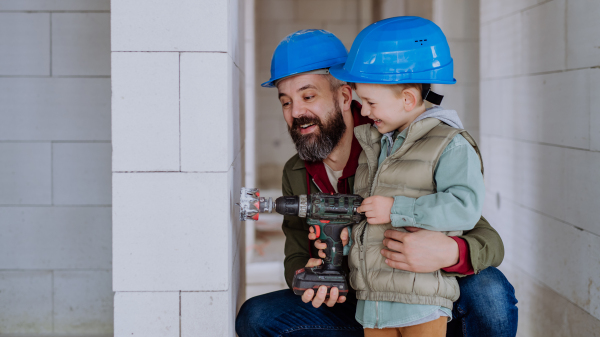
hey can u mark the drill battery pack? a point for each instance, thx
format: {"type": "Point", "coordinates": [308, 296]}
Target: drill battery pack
{"type": "Point", "coordinates": [313, 278]}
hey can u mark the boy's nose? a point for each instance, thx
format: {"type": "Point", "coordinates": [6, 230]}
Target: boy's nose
{"type": "Point", "coordinates": [364, 111]}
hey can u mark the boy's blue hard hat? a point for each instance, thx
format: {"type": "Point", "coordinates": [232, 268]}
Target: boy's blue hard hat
{"type": "Point", "coordinates": [305, 50]}
{"type": "Point", "coordinates": [404, 49]}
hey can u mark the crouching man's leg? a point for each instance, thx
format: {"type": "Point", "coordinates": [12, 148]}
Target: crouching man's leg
{"type": "Point", "coordinates": [282, 313]}
{"type": "Point", "coordinates": [486, 307]}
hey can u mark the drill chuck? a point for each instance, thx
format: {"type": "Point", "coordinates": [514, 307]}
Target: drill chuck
{"type": "Point", "coordinates": [251, 204]}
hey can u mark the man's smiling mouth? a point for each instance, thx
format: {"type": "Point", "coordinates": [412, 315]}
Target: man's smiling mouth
{"type": "Point", "coordinates": [307, 125]}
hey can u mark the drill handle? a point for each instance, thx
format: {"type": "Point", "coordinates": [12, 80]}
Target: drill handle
{"type": "Point", "coordinates": [329, 233]}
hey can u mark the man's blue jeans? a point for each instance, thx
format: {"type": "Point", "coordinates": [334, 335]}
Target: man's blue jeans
{"type": "Point", "coordinates": [486, 307]}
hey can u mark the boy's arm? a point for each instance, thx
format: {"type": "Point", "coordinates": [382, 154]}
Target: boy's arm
{"type": "Point", "coordinates": [459, 201]}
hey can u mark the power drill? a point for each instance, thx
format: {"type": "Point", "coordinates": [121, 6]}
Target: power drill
{"type": "Point", "coordinates": [328, 214]}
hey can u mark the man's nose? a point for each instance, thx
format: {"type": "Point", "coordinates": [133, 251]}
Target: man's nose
{"type": "Point", "coordinates": [298, 111]}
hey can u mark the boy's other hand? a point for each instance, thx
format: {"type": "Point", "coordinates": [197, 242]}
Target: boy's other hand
{"type": "Point", "coordinates": [377, 209]}
{"type": "Point", "coordinates": [320, 297]}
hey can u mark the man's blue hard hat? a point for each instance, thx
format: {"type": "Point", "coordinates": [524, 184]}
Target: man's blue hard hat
{"type": "Point", "coordinates": [305, 50]}
{"type": "Point", "coordinates": [404, 49]}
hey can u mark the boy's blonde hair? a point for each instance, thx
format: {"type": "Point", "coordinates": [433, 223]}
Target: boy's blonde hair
{"type": "Point", "coordinates": [399, 87]}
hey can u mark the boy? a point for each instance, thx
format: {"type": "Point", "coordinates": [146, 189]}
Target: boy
{"type": "Point", "coordinates": [418, 170]}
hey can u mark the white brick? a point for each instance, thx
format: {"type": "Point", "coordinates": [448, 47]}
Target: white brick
{"type": "Point", "coordinates": [543, 38]}
{"type": "Point", "coordinates": [83, 302]}
{"type": "Point", "coordinates": [505, 47]}
{"type": "Point", "coordinates": [155, 25]}
{"type": "Point", "coordinates": [540, 245]}
{"type": "Point", "coordinates": [55, 237]}
{"type": "Point", "coordinates": [493, 9]}
{"type": "Point", "coordinates": [81, 44]}
{"type": "Point", "coordinates": [25, 173]}
{"type": "Point", "coordinates": [147, 314]}
{"type": "Point", "coordinates": [485, 46]}
{"type": "Point", "coordinates": [170, 230]}
{"type": "Point", "coordinates": [26, 299]}
{"type": "Point", "coordinates": [237, 39]}
{"type": "Point", "coordinates": [543, 312]}
{"type": "Point", "coordinates": [464, 98]}
{"type": "Point", "coordinates": [330, 10]}
{"type": "Point", "coordinates": [205, 314]}
{"type": "Point", "coordinates": [55, 5]}
{"type": "Point", "coordinates": [582, 193]}
{"type": "Point", "coordinates": [562, 183]}
{"type": "Point", "coordinates": [205, 111]}
{"type": "Point", "coordinates": [54, 109]}
{"type": "Point", "coordinates": [24, 43]}
{"type": "Point", "coordinates": [564, 109]}
{"type": "Point", "coordinates": [594, 88]}
{"type": "Point", "coordinates": [81, 173]}
{"type": "Point", "coordinates": [145, 111]}
{"type": "Point", "coordinates": [583, 40]}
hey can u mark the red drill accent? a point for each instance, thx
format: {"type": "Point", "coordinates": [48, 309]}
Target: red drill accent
{"type": "Point", "coordinates": [256, 204]}
{"type": "Point", "coordinates": [317, 231]}
{"type": "Point", "coordinates": [258, 194]}
{"type": "Point", "coordinates": [255, 216]}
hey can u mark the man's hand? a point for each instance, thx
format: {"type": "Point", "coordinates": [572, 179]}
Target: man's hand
{"type": "Point", "coordinates": [319, 298]}
{"type": "Point", "coordinates": [422, 251]}
{"type": "Point", "coordinates": [377, 209]}
{"type": "Point", "coordinates": [321, 246]}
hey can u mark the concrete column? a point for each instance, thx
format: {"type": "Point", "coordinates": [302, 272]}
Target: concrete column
{"type": "Point", "coordinates": [177, 125]}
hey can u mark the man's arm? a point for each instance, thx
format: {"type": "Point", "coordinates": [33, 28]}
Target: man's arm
{"type": "Point", "coordinates": [485, 246]}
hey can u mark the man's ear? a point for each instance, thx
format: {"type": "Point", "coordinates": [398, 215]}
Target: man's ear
{"type": "Point", "coordinates": [346, 92]}
{"type": "Point", "coordinates": [410, 99]}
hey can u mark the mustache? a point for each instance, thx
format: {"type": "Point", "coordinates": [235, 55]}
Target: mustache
{"type": "Point", "coordinates": [305, 120]}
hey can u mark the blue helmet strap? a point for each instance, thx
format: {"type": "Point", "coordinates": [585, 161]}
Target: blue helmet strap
{"type": "Point", "coordinates": [431, 96]}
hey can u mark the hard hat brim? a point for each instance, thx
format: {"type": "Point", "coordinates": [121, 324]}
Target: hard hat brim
{"type": "Point", "coordinates": [342, 74]}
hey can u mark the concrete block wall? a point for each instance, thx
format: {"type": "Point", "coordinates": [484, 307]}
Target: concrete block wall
{"type": "Point", "coordinates": [55, 176]}
{"type": "Point", "coordinates": [177, 126]}
{"type": "Point", "coordinates": [539, 133]}
{"type": "Point", "coordinates": [275, 19]}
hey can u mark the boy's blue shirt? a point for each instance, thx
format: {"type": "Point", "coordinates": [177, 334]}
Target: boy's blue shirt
{"type": "Point", "coordinates": [457, 206]}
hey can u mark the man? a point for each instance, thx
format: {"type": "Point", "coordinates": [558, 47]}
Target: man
{"type": "Point", "coordinates": [321, 115]}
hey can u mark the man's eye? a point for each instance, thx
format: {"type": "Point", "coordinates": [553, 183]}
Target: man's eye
{"type": "Point", "coordinates": [308, 97]}
{"type": "Point", "coordinates": [285, 104]}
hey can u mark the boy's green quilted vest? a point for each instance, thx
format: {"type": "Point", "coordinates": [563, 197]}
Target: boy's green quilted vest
{"type": "Point", "coordinates": [408, 172]}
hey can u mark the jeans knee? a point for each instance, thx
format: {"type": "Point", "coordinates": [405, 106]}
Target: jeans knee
{"type": "Point", "coordinates": [248, 317]}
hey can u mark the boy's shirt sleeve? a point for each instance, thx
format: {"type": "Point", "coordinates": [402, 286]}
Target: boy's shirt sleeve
{"type": "Point", "coordinates": [459, 201]}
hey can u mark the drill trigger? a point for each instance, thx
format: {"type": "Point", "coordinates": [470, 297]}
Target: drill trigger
{"type": "Point", "coordinates": [317, 230]}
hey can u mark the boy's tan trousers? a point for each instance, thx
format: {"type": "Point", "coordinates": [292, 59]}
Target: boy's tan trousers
{"type": "Point", "coordinates": [436, 328]}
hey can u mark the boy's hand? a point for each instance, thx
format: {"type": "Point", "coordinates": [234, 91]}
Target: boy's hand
{"type": "Point", "coordinates": [377, 209]}
{"type": "Point", "coordinates": [320, 297]}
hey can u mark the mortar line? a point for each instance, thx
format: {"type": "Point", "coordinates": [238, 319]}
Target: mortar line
{"type": "Point", "coordinates": [52, 272]}
{"type": "Point", "coordinates": [538, 143]}
{"type": "Point", "coordinates": [179, 102]}
{"type": "Point", "coordinates": [170, 51]}
{"type": "Point", "coordinates": [487, 79]}
{"type": "Point", "coordinates": [52, 205]}
{"type": "Point", "coordinates": [52, 11]}
{"type": "Point", "coordinates": [50, 44]}
{"type": "Point", "coordinates": [515, 12]}
{"type": "Point", "coordinates": [51, 173]}
{"type": "Point", "coordinates": [549, 216]}
{"type": "Point", "coordinates": [180, 313]}
{"type": "Point", "coordinates": [54, 76]}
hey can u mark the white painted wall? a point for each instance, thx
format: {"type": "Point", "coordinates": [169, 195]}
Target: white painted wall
{"type": "Point", "coordinates": [539, 131]}
{"type": "Point", "coordinates": [177, 108]}
{"type": "Point", "coordinates": [55, 180]}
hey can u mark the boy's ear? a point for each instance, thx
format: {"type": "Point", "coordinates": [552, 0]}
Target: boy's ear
{"type": "Point", "coordinates": [410, 99]}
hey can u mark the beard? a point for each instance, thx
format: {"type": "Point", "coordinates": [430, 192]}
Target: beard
{"type": "Point", "coordinates": [316, 146]}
